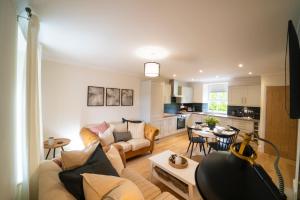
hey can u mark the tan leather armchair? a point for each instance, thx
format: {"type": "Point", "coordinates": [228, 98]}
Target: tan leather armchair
{"type": "Point", "coordinates": [150, 133]}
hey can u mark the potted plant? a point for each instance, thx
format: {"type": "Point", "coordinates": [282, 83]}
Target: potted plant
{"type": "Point", "coordinates": [211, 122]}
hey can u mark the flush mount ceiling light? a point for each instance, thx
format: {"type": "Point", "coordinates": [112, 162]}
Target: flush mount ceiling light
{"type": "Point", "coordinates": [152, 69]}
{"type": "Point", "coordinates": [152, 53]}
{"type": "Point", "coordinates": [241, 65]}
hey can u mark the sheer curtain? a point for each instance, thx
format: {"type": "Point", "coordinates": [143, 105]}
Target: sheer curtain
{"type": "Point", "coordinates": [31, 144]}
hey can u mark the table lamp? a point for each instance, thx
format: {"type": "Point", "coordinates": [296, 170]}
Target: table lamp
{"type": "Point", "coordinates": [235, 175]}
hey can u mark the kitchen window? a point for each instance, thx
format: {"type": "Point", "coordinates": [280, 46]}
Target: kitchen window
{"type": "Point", "coordinates": [217, 97]}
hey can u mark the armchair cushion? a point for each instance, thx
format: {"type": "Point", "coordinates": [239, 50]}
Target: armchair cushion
{"type": "Point", "coordinates": [115, 159]}
{"type": "Point", "coordinates": [125, 145]}
{"type": "Point", "coordinates": [137, 144]}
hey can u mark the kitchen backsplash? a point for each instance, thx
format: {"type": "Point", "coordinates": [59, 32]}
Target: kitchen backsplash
{"type": "Point", "coordinates": [190, 107]}
{"type": "Point", "coordinates": [241, 111]}
{"type": "Point", "coordinates": [238, 111]}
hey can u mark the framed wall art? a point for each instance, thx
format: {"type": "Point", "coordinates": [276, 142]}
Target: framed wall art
{"type": "Point", "coordinates": [112, 97]}
{"type": "Point", "coordinates": [127, 97]}
{"type": "Point", "coordinates": [95, 96]}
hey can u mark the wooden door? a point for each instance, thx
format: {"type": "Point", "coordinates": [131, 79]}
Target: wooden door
{"type": "Point", "coordinates": [280, 129]}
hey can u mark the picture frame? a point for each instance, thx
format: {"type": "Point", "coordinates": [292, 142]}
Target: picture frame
{"type": "Point", "coordinates": [95, 96]}
{"type": "Point", "coordinates": [112, 97]}
{"type": "Point", "coordinates": [127, 96]}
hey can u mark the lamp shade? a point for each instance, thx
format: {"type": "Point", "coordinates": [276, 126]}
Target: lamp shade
{"type": "Point", "coordinates": [152, 69]}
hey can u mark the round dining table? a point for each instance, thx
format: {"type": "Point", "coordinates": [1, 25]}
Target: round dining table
{"type": "Point", "coordinates": [207, 133]}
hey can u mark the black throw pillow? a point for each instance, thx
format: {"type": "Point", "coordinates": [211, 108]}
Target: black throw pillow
{"type": "Point", "coordinates": [122, 136]}
{"type": "Point", "coordinates": [98, 163]}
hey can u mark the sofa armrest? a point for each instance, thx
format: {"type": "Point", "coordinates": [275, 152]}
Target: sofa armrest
{"type": "Point", "coordinates": [88, 137]}
{"type": "Point", "coordinates": [150, 133]}
{"type": "Point", "coordinates": [120, 150]}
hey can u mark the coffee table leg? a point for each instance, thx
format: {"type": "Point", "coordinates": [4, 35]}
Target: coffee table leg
{"type": "Point", "coordinates": [48, 154]}
{"type": "Point", "coordinates": [191, 192]}
{"type": "Point", "coordinates": [54, 152]}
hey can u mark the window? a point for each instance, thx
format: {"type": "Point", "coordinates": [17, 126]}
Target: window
{"type": "Point", "coordinates": [218, 97]}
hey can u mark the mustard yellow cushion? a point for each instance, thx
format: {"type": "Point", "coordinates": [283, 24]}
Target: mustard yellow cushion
{"type": "Point", "coordinates": [97, 187]}
{"type": "Point", "coordinates": [114, 157]}
{"type": "Point", "coordinates": [73, 159]}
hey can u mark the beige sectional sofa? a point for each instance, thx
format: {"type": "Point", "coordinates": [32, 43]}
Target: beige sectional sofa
{"type": "Point", "coordinates": [50, 186]}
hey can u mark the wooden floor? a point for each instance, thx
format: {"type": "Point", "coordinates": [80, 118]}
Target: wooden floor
{"type": "Point", "coordinates": [179, 142]}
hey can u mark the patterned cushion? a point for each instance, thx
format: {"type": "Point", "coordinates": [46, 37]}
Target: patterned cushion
{"type": "Point", "coordinates": [137, 144]}
{"type": "Point", "coordinates": [107, 136]}
{"type": "Point", "coordinates": [99, 128]}
{"type": "Point", "coordinates": [149, 190]}
{"type": "Point", "coordinates": [125, 145]}
{"type": "Point", "coordinates": [136, 130]}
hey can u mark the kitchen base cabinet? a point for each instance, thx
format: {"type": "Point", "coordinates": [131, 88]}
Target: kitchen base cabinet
{"type": "Point", "coordinates": [167, 126]}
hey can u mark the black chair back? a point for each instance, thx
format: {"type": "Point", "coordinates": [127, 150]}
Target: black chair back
{"type": "Point", "coordinates": [224, 141]}
{"type": "Point", "coordinates": [236, 130]}
{"type": "Point", "coordinates": [190, 133]}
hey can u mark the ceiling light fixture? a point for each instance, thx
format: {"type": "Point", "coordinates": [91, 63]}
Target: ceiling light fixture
{"type": "Point", "coordinates": [192, 79]}
{"type": "Point", "coordinates": [152, 53]}
{"type": "Point", "coordinates": [250, 73]}
{"type": "Point", "coordinates": [200, 70]}
{"type": "Point", "coordinates": [174, 75]}
{"type": "Point", "coordinates": [152, 69]}
{"type": "Point", "coordinates": [241, 65]}
{"type": "Point", "coordinates": [217, 76]}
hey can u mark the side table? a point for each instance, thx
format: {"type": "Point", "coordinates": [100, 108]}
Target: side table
{"type": "Point", "coordinates": [58, 143]}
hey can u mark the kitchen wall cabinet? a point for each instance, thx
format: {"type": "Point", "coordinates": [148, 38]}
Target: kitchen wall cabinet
{"type": "Point", "coordinates": [167, 93]}
{"type": "Point", "coordinates": [187, 93]}
{"type": "Point", "coordinates": [244, 96]}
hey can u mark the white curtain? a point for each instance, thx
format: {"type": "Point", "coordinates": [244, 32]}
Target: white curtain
{"type": "Point", "coordinates": [34, 125]}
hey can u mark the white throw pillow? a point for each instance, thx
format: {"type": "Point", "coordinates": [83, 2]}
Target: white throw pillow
{"type": "Point", "coordinates": [107, 136]}
{"type": "Point", "coordinates": [136, 130]}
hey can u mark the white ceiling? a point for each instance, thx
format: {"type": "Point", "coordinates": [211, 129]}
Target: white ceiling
{"type": "Point", "coordinates": [214, 36]}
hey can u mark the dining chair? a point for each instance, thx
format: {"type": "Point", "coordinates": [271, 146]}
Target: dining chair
{"type": "Point", "coordinates": [236, 130]}
{"type": "Point", "coordinates": [195, 139]}
{"type": "Point", "coordinates": [222, 142]}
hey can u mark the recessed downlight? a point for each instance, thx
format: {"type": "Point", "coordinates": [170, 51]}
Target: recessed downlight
{"type": "Point", "coordinates": [174, 75]}
{"type": "Point", "coordinates": [193, 79]}
{"type": "Point", "coordinates": [217, 76]}
{"type": "Point", "coordinates": [250, 73]}
{"type": "Point", "coordinates": [200, 70]}
{"type": "Point", "coordinates": [240, 65]}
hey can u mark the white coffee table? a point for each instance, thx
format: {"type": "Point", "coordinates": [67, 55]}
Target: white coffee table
{"type": "Point", "coordinates": [186, 175]}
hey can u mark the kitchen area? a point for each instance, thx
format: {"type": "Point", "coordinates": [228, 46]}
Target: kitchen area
{"type": "Point", "coordinates": [172, 105]}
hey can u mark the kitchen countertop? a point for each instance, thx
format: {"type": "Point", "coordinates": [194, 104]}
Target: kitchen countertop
{"type": "Point", "coordinates": [223, 115]}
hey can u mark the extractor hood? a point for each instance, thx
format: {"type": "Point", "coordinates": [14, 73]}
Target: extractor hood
{"type": "Point", "coordinates": [176, 89]}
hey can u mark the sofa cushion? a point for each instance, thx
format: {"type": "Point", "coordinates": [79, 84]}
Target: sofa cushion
{"type": "Point", "coordinates": [149, 190]}
{"type": "Point", "coordinates": [125, 145]}
{"type": "Point", "coordinates": [122, 136]}
{"type": "Point", "coordinates": [108, 187]}
{"type": "Point", "coordinates": [73, 159]}
{"type": "Point", "coordinates": [114, 157]}
{"type": "Point", "coordinates": [102, 127]}
{"type": "Point", "coordinates": [136, 130]}
{"type": "Point", "coordinates": [137, 144]}
{"type": "Point", "coordinates": [50, 186]}
{"type": "Point", "coordinates": [98, 163]}
{"type": "Point", "coordinates": [107, 136]}
{"type": "Point", "coordinates": [119, 126]}
{"type": "Point", "coordinates": [165, 196]}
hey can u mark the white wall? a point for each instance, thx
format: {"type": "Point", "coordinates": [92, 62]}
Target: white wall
{"type": "Point", "coordinates": [8, 33]}
{"type": "Point", "coordinates": [64, 99]}
{"type": "Point", "coordinates": [267, 80]}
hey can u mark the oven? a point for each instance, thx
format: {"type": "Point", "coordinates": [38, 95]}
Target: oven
{"type": "Point", "coordinates": [181, 121]}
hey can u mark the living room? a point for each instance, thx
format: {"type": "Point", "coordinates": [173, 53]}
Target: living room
{"type": "Point", "coordinates": [140, 82]}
